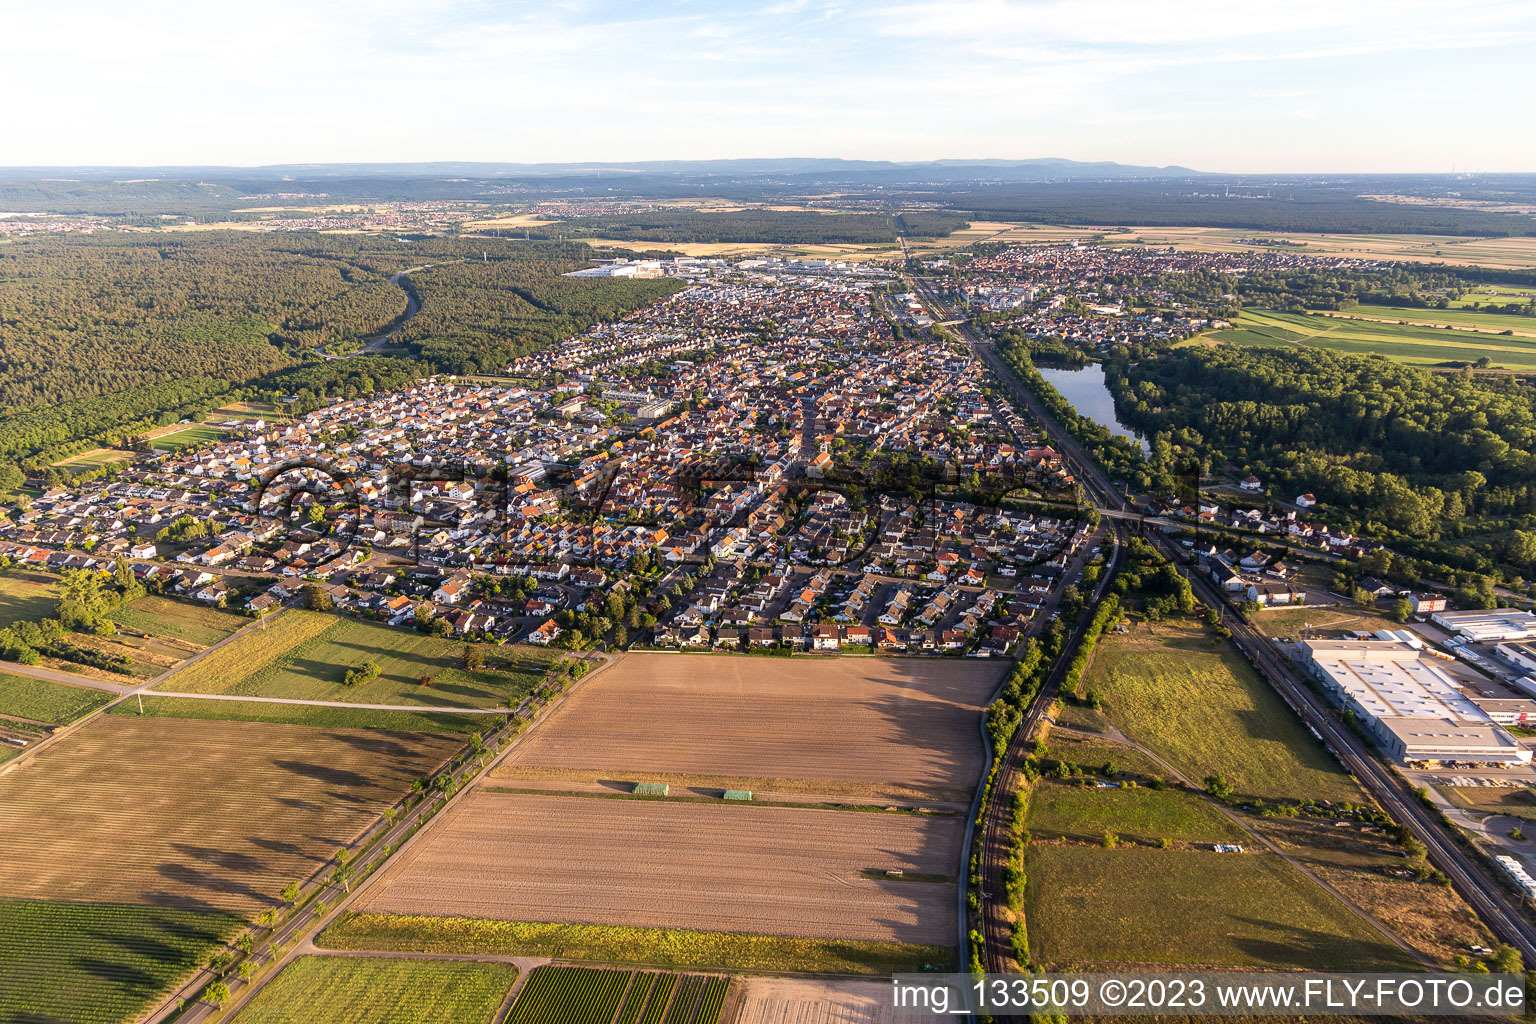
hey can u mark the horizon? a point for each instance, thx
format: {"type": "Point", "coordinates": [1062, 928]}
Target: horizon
{"type": "Point", "coordinates": [1194, 84]}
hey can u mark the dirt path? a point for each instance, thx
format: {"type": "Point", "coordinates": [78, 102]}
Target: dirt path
{"type": "Point", "coordinates": [1115, 734]}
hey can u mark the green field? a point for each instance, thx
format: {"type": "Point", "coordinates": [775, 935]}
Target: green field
{"type": "Point", "coordinates": [1492, 323]}
{"type": "Point", "coordinates": [380, 990]}
{"type": "Point", "coordinates": [304, 714]}
{"type": "Point", "coordinates": [26, 596]}
{"type": "Point", "coordinates": [1404, 344]}
{"type": "Point", "coordinates": [306, 655]}
{"type": "Point", "coordinates": [1496, 294]}
{"type": "Point", "coordinates": [180, 620]}
{"type": "Point", "coordinates": [99, 459]}
{"type": "Point", "coordinates": [1137, 905]}
{"type": "Point", "coordinates": [199, 433]}
{"type": "Point", "coordinates": [1194, 701]}
{"type": "Point", "coordinates": [1140, 815]}
{"type": "Point", "coordinates": [85, 963]}
{"type": "Point", "coordinates": [44, 701]}
{"type": "Point", "coordinates": [1517, 802]}
{"type": "Point", "coordinates": [662, 947]}
{"type": "Point", "coordinates": [558, 995]}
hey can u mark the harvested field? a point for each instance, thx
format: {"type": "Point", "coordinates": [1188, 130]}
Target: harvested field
{"type": "Point", "coordinates": [803, 1001]}
{"type": "Point", "coordinates": [769, 870]}
{"type": "Point", "coordinates": [871, 726]}
{"type": "Point", "coordinates": [195, 814]}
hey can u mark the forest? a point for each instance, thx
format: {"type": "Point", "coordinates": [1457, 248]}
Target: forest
{"type": "Point", "coordinates": [1297, 205]}
{"type": "Point", "coordinates": [103, 337]}
{"type": "Point", "coordinates": [783, 227]}
{"type": "Point", "coordinates": [1397, 452]}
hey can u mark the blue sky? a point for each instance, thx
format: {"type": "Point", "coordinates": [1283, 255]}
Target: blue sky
{"type": "Point", "coordinates": [1309, 85]}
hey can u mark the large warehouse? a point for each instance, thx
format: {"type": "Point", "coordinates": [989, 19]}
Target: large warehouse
{"type": "Point", "coordinates": [1487, 626]}
{"type": "Point", "coordinates": [1408, 703]}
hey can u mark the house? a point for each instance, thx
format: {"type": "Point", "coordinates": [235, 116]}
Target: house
{"type": "Point", "coordinates": [546, 633]}
{"type": "Point", "coordinates": [452, 590]}
{"type": "Point", "coordinates": [826, 638]}
{"type": "Point", "coordinates": [1251, 484]}
{"type": "Point", "coordinates": [1424, 603]}
{"type": "Point", "coordinates": [1305, 500]}
{"type": "Point", "coordinates": [761, 636]}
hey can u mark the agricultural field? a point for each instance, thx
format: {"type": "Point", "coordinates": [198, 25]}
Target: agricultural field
{"type": "Point", "coordinates": [1194, 701]}
{"type": "Point", "coordinates": [306, 655]}
{"type": "Point", "coordinates": [97, 963]}
{"type": "Point", "coordinates": [380, 990]}
{"type": "Point", "coordinates": [1423, 346]}
{"type": "Point", "coordinates": [1091, 906]}
{"type": "Point", "coordinates": [807, 1001]}
{"type": "Point", "coordinates": [877, 727]}
{"type": "Point", "coordinates": [26, 596]}
{"type": "Point", "coordinates": [197, 815]}
{"type": "Point", "coordinates": [317, 716]}
{"type": "Point", "coordinates": [1466, 319]}
{"type": "Point", "coordinates": [673, 864]}
{"type": "Point", "coordinates": [669, 947]}
{"type": "Point", "coordinates": [1515, 253]}
{"type": "Point", "coordinates": [41, 700]}
{"type": "Point", "coordinates": [1494, 294]}
{"type": "Point", "coordinates": [561, 995]}
{"type": "Point", "coordinates": [1341, 618]}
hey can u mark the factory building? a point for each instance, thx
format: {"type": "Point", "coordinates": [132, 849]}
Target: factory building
{"type": "Point", "coordinates": [1488, 626]}
{"type": "Point", "coordinates": [1407, 702]}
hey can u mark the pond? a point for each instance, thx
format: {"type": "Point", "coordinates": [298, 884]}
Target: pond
{"type": "Point", "coordinates": [1089, 395]}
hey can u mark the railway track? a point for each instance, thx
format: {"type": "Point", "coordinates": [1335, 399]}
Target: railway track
{"type": "Point", "coordinates": [1472, 879]}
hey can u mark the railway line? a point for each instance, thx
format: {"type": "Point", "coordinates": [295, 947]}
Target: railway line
{"type": "Point", "coordinates": [1472, 879]}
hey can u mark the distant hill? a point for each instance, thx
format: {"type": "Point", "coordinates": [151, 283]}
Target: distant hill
{"type": "Point", "coordinates": [1038, 169]}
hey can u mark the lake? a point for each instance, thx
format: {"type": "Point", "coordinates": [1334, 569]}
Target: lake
{"type": "Point", "coordinates": [1089, 395]}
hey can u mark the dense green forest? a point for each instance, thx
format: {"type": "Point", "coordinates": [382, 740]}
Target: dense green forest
{"type": "Point", "coordinates": [1270, 206]}
{"type": "Point", "coordinates": [102, 337]}
{"type": "Point", "coordinates": [478, 315]}
{"type": "Point", "coordinates": [787, 227]}
{"type": "Point", "coordinates": [1402, 453]}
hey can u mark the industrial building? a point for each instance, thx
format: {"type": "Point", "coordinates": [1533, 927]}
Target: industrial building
{"type": "Point", "coordinates": [1407, 702]}
{"type": "Point", "coordinates": [1487, 626]}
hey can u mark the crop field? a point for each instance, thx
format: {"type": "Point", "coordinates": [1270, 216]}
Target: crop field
{"type": "Point", "coordinates": [606, 943]}
{"type": "Point", "coordinates": [177, 620]}
{"type": "Point", "coordinates": [1197, 704]}
{"type": "Point", "coordinates": [381, 990]}
{"type": "Point", "coordinates": [196, 815]}
{"type": "Point", "coordinates": [95, 963]}
{"type": "Point", "coordinates": [40, 700]}
{"type": "Point", "coordinates": [1402, 343]}
{"type": "Point", "coordinates": [305, 655]}
{"type": "Point", "coordinates": [589, 995]}
{"type": "Point", "coordinates": [769, 870]}
{"type": "Point", "coordinates": [1518, 253]}
{"type": "Point", "coordinates": [1087, 905]}
{"type": "Point", "coordinates": [1468, 319]}
{"type": "Point", "coordinates": [300, 714]}
{"type": "Point", "coordinates": [809, 1001]}
{"type": "Point", "coordinates": [26, 596]}
{"type": "Point", "coordinates": [882, 726]}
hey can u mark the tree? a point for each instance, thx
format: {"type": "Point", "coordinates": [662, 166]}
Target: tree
{"type": "Point", "coordinates": [290, 892]}
{"type": "Point", "coordinates": [1362, 597]}
{"type": "Point", "coordinates": [1219, 787]}
{"type": "Point", "coordinates": [1402, 609]}
{"type": "Point", "coordinates": [316, 598]}
{"type": "Point", "coordinates": [1506, 960]}
{"type": "Point", "coordinates": [474, 658]}
{"type": "Point", "coordinates": [217, 993]}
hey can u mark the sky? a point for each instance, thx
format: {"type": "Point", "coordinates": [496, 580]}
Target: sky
{"type": "Point", "coordinates": [1234, 86]}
